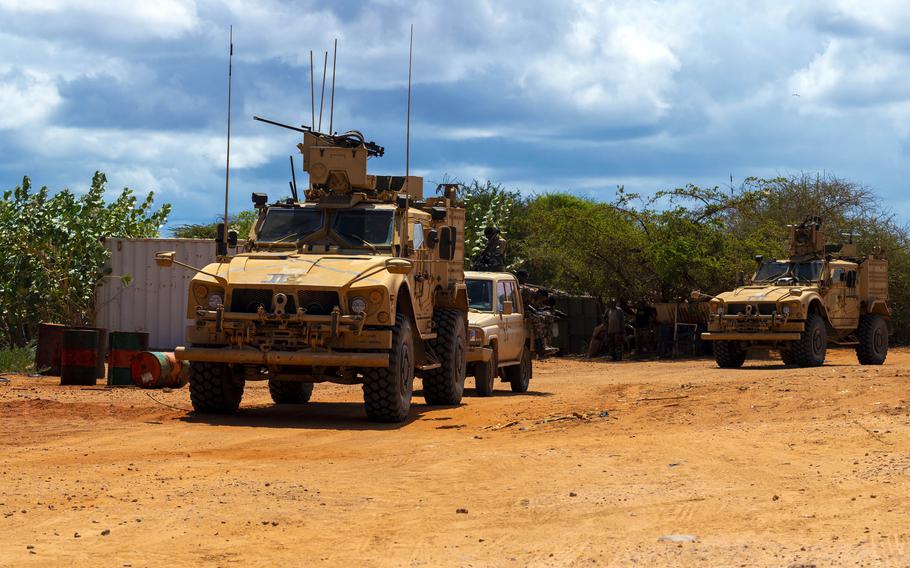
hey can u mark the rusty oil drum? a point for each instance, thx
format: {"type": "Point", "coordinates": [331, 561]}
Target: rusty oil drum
{"type": "Point", "coordinates": [125, 345]}
{"type": "Point", "coordinates": [79, 357]}
{"type": "Point", "coordinates": [47, 353]}
{"type": "Point", "coordinates": [156, 369]}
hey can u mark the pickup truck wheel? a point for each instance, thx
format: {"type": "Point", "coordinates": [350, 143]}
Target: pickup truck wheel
{"type": "Point", "coordinates": [445, 385]}
{"type": "Point", "coordinates": [485, 374]}
{"type": "Point", "coordinates": [812, 346]}
{"type": "Point", "coordinates": [729, 354]}
{"type": "Point", "coordinates": [520, 375]}
{"type": "Point", "coordinates": [214, 389]}
{"type": "Point", "coordinates": [786, 355]}
{"type": "Point", "coordinates": [873, 340]}
{"type": "Point", "coordinates": [387, 391]}
{"type": "Point", "coordinates": [290, 392]}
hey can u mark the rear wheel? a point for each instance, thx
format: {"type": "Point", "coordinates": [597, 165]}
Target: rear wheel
{"type": "Point", "coordinates": [387, 391]}
{"type": "Point", "coordinates": [445, 385]}
{"type": "Point", "coordinates": [485, 374]}
{"type": "Point", "coordinates": [873, 340]}
{"type": "Point", "coordinates": [290, 392]}
{"type": "Point", "coordinates": [214, 388]}
{"type": "Point", "coordinates": [786, 355]}
{"type": "Point", "coordinates": [812, 346]}
{"type": "Point", "coordinates": [729, 354]}
{"type": "Point", "coordinates": [519, 376]}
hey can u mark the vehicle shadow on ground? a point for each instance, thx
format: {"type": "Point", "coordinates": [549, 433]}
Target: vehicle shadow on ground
{"type": "Point", "coordinates": [311, 416]}
{"type": "Point", "coordinates": [469, 392]}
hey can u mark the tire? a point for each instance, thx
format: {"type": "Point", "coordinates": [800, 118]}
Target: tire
{"type": "Point", "coordinates": [214, 389]}
{"type": "Point", "coordinates": [873, 340]}
{"type": "Point", "coordinates": [729, 354]}
{"type": "Point", "coordinates": [387, 391]}
{"type": "Point", "coordinates": [812, 346]}
{"type": "Point", "coordinates": [444, 386]}
{"type": "Point", "coordinates": [290, 392]}
{"type": "Point", "coordinates": [519, 376]}
{"type": "Point", "coordinates": [786, 355]}
{"type": "Point", "coordinates": [485, 374]}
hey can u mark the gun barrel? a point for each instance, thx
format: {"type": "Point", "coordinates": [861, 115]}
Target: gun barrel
{"type": "Point", "coordinates": [289, 127]}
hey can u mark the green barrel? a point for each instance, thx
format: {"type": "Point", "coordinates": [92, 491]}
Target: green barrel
{"type": "Point", "coordinates": [125, 345]}
{"type": "Point", "coordinates": [79, 357]}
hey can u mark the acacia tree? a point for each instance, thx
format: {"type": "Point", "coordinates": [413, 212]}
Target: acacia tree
{"type": "Point", "coordinates": [54, 254]}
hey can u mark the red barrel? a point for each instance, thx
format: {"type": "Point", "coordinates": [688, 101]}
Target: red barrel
{"type": "Point", "coordinates": [155, 370]}
{"type": "Point", "coordinates": [79, 357]}
{"type": "Point", "coordinates": [47, 353]}
{"type": "Point", "coordinates": [125, 345]}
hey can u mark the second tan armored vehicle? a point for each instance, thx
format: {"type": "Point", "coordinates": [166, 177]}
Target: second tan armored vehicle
{"type": "Point", "coordinates": [497, 321]}
{"type": "Point", "coordinates": [361, 283]}
{"type": "Point", "coordinates": [820, 295]}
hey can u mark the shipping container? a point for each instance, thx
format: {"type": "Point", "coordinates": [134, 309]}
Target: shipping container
{"type": "Point", "coordinates": [138, 295]}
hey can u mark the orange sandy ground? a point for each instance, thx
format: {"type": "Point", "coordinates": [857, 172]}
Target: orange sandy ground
{"type": "Point", "coordinates": [764, 466]}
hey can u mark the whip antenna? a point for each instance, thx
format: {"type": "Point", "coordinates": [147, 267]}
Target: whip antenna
{"type": "Point", "coordinates": [407, 144]}
{"type": "Point", "coordinates": [312, 94]}
{"type": "Point", "coordinates": [325, 64]}
{"type": "Point", "coordinates": [227, 165]}
{"type": "Point", "coordinates": [332, 102]}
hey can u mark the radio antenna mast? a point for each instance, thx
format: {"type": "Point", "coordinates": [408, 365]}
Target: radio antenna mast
{"type": "Point", "coordinates": [407, 144]}
{"type": "Point", "coordinates": [325, 64]}
{"type": "Point", "coordinates": [312, 94]}
{"type": "Point", "coordinates": [227, 165]}
{"type": "Point", "coordinates": [332, 102]}
{"type": "Point", "coordinates": [294, 179]}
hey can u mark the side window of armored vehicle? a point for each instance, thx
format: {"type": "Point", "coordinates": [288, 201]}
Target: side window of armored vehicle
{"type": "Point", "coordinates": [837, 276]}
{"type": "Point", "coordinates": [288, 225]}
{"type": "Point", "coordinates": [418, 236]}
{"type": "Point", "coordinates": [480, 295]}
{"type": "Point", "coordinates": [373, 226]}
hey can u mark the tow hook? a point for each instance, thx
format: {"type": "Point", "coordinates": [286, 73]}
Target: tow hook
{"type": "Point", "coordinates": [336, 316]}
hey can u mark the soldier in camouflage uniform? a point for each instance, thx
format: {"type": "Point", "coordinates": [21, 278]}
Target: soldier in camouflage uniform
{"type": "Point", "coordinates": [493, 256]}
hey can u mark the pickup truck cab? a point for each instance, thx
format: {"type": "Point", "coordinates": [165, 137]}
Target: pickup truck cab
{"type": "Point", "coordinates": [497, 322]}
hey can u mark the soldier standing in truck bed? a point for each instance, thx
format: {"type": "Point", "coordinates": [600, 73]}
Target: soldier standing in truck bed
{"type": "Point", "coordinates": [493, 256]}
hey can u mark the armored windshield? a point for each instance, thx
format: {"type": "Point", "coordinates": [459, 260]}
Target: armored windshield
{"type": "Point", "coordinates": [799, 271]}
{"type": "Point", "coordinates": [288, 225]}
{"type": "Point", "coordinates": [480, 295]}
{"type": "Point", "coordinates": [372, 227]}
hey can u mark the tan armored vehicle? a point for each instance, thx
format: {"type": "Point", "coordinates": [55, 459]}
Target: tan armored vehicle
{"type": "Point", "coordinates": [496, 320]}
{"type": "Point", "coordinates": [360, 283]}
{"type": "Point", "coordinates": [821, 295]}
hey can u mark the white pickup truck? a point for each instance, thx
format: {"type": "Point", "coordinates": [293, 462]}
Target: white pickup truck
{"type": "Point", "coordinates": [496, 321]}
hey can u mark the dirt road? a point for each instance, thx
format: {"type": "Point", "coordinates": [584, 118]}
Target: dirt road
{"type": "Point", "coordinates": [764, 466]}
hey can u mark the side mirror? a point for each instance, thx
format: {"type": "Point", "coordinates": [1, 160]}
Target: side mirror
{"type": "Point", "coordinates": [232, 239]}
{"type": "Point", "coordinates": [401, 201]}
{"type": "Point", "coordinates": [165, 259]}
{"type": "Point", "coordinates": [507, 308]}
{"type": "Point", "coordinates": [399, 265]}
{"type": "Point", "coordinates": [220, 245]}
{"type": "Point", "coordinates": [418, 239]}
{"type": "Point", "coordinates": [432, 238]}
{"type": "Point", "coordinates": [259, 200]}
{"type": "Point", "coordinates": [741, 279]}
{"type": "Point", "coordinates": [759, 258]}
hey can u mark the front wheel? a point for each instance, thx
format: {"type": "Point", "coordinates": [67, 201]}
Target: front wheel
{"type": "Point", "coordinates": [729, 354]}
{"type": "Point", "coordinates": [485, 374]}
{"type": "Point", "coordinates": [519, 376]}
{"type": "Point", "coordinates": [214, 388]}
{"type": "Point", "coordinates": [812, 346]}
{"type": "Point", "coordinates": [387, 391]}
{"type": "Point", "coordinates": [445, 385]}
{"type": "Point", "coordinates": [873, 340]}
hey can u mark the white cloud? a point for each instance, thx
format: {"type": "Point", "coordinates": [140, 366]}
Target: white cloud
{"type": "Point", "coordinates": [27, 99]}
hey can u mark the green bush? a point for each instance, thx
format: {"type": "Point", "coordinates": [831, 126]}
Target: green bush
{"type": "Point", "coordinates": [53, 252]}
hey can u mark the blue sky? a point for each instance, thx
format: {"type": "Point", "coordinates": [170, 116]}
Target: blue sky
{"type": "Point", "coordinates": [538, 95]}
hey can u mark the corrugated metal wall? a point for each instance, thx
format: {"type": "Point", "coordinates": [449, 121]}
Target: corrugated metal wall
{"type": "Point", "coordinates": [155, 298]}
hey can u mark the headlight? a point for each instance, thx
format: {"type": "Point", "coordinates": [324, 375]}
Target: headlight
{"type": "Point", "coordinates": [475, 335]}
{"type": "Point", "coordinates": [785, 310]}
{"type": "Point", "coordinates": [215, 300]}
{"type": "Point", "coordinates": [717, 308]}
{"type": "Point", "coordinates": [358, 305]}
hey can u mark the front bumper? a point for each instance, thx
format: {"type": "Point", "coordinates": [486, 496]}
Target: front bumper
{"type": "Point", "coordinates": [753, 328]}
{"type": "Point", "coordinates": [283, 358]}
{"type": "Point", "coordinates": [477, 353]}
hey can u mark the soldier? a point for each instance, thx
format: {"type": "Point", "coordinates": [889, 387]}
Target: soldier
{"type": "Point", "coordinates": [615, 322]}
{"type": "Point", "coordinates": [493, 256]}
